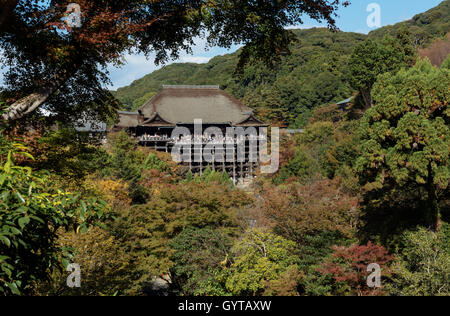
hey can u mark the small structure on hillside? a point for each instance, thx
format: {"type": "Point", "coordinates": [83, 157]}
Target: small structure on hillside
{"type": "Point", "coordinates": [177, 108]}
{"type": "Point", "coordinates": [291, 131]}
{"type": "Point", "coordinates": [92, 128]}
{"type": "Point", "coordinates": [344, 103]}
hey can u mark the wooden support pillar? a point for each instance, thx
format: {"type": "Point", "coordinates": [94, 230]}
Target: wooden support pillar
{"type": "Point", "coordinates": [223, 160]}
{"type": "Point", "coordinates": [234, 166]}
{"type": "Point", "coordinates": [241, 176]}
{"type": "Point", "coordinates": [190, 159]}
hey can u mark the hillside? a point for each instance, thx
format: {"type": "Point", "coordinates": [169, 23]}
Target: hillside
{"type": "Point", "coordinates": [310, 76]}
{"type": "Point", "coordinates": [314, 74]}
{"type": "Point", "coordinates": [425, 27]}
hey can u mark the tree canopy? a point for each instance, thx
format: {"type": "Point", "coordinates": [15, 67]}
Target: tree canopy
{"type": "Point", "coordinates": [405, 136]}
{"type": "Point", "coordinates": [372, 58]}
{"type": "Point", "coordinates": [45, 55]}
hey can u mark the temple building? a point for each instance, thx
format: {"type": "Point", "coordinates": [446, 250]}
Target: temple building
{"type": "Point", "coordinates": [179, 107]}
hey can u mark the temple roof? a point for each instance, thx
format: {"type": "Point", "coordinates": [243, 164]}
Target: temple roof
{"type": "Point", "coordinates": [184, 104]}
{"type": "Point", "coordinates": [181, 105]}
{"type": "Point", "coordinates": [128, 119]}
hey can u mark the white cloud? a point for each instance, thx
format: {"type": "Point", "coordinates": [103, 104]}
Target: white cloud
{"type": "Point", "coordinates": [195, 59]}
{"type": "Point", "coordinates": [137, 66]}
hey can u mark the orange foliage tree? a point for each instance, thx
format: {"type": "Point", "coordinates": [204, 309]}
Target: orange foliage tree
{"type": "Point", "coordinates": [297, 210]}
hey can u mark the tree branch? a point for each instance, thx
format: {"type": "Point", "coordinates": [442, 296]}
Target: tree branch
{"type": "Point", "coordinates": [34, 100]}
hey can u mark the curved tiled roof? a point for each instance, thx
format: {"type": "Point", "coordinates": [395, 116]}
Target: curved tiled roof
{"type": "Point", "coordinates": [184, 104]}
{"type": "Point", "coordinates": [128, 119]}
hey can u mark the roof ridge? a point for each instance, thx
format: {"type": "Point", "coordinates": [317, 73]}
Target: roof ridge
{"type": "Point", "coordinates": [191, 87]}
{"type": "Point", "coordinates": [126, 112]}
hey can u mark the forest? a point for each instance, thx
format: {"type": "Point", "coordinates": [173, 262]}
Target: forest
{"type": "Point", "coordinates": [315, 72]}
{"type": "Point", "coordinates": [363, 183]}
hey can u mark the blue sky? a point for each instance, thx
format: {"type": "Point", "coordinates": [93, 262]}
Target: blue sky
{"type": "Point", "coordinates": [351, 19]}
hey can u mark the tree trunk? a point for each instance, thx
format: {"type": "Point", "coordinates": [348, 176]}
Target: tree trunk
{"type": "Point", "coordinates": [34, 100]}
{"type": "Point", "coordinates": [434, 214]}
{"type": "Point", "coordinates": [26, 105]}
{"type": "Point", "coordinates": [367, 98]}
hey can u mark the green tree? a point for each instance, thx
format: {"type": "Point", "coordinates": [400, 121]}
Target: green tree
{"type": "Point", "coordinates": [423, 266]}
{"type": "Point", "coordinates": [258, 259]}
{"type": "Point", "coordinates": [198, 255]}
{"type": "Point", "coordinates": [189, 176]}
{"type": "Point", "coordinates": [46, 56]}
{"type": "Point", "coordinates": [364, 66]}
{"type": "Point", "coordinates": [106, 266]}
{"type": "Point", "coordinates": [446, 63]}
{"type": "Point", "coordinates": [152, 162]}
{"type": "Point", "coordinates": [405, 136]}
{"type": "Point", "coordinates": [31, 213]}
{"type": "Point", "coordinates": [371, 59]}
{"type": "Point", "coordinates": [405, 45]}
{"type": "Point", "coordinates": [146, 230]}
{"type": "Point", "coordinates": [69, 154]}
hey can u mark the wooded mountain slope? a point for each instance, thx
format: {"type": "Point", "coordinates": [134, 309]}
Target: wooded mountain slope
{"type": "Point", "coordinates": [425, 27]}
{"type": "Point", "coordinates": [313, 75]}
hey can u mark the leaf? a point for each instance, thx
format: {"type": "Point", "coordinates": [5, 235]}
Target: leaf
{"type": "Point", "coordinates": [40, 220]}
{"type": "Point", "coordinates": [26, 155]}
{"type": "Point", "coordinates": [7, 271]}
{"type": "Point", "coordinates": [15, 231]}
{"type": "Point", "coordinates": [13, 288]}
{"type": "Point", "coordinates": [2, 179]}
{"type": "Point", "coordinates": [5, 240]}
{"type": "Point", "coordinates": [83, 210]}
{"type": "Point", "coordinates": [65, 262]}
{"type": "Point", "coordinates": [19, 197]}
{"type": "Point", "coordinates": [23, 221]}
{"type": "Point", "coordinates": [4, 195]}
{"type": "Point", "coordinates": [8, 163]}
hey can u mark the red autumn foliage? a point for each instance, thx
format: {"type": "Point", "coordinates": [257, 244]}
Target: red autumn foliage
{"type": "Point", "coordinates": [349, 266]}
{"type": "Point", "coordinates": [29, 138]}
{"type": "Point", "coordinates": [105, 29]}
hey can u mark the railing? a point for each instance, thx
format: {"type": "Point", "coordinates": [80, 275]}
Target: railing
{"type": "Point", "coordinates": [200, 140]}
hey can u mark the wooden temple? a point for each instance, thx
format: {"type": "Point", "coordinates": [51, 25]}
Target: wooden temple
{"type": "Point", "coordinates": [176, 107]}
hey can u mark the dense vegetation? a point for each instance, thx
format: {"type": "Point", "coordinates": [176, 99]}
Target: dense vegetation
{"type": "Point", "coordinates": [313, 75]}
{"type": "Point", "coordinates": [425, 27]}
{"type": "Point", "coordinates": [317, 60]}
{"type": "Point", "coordinates": [350, 192]}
